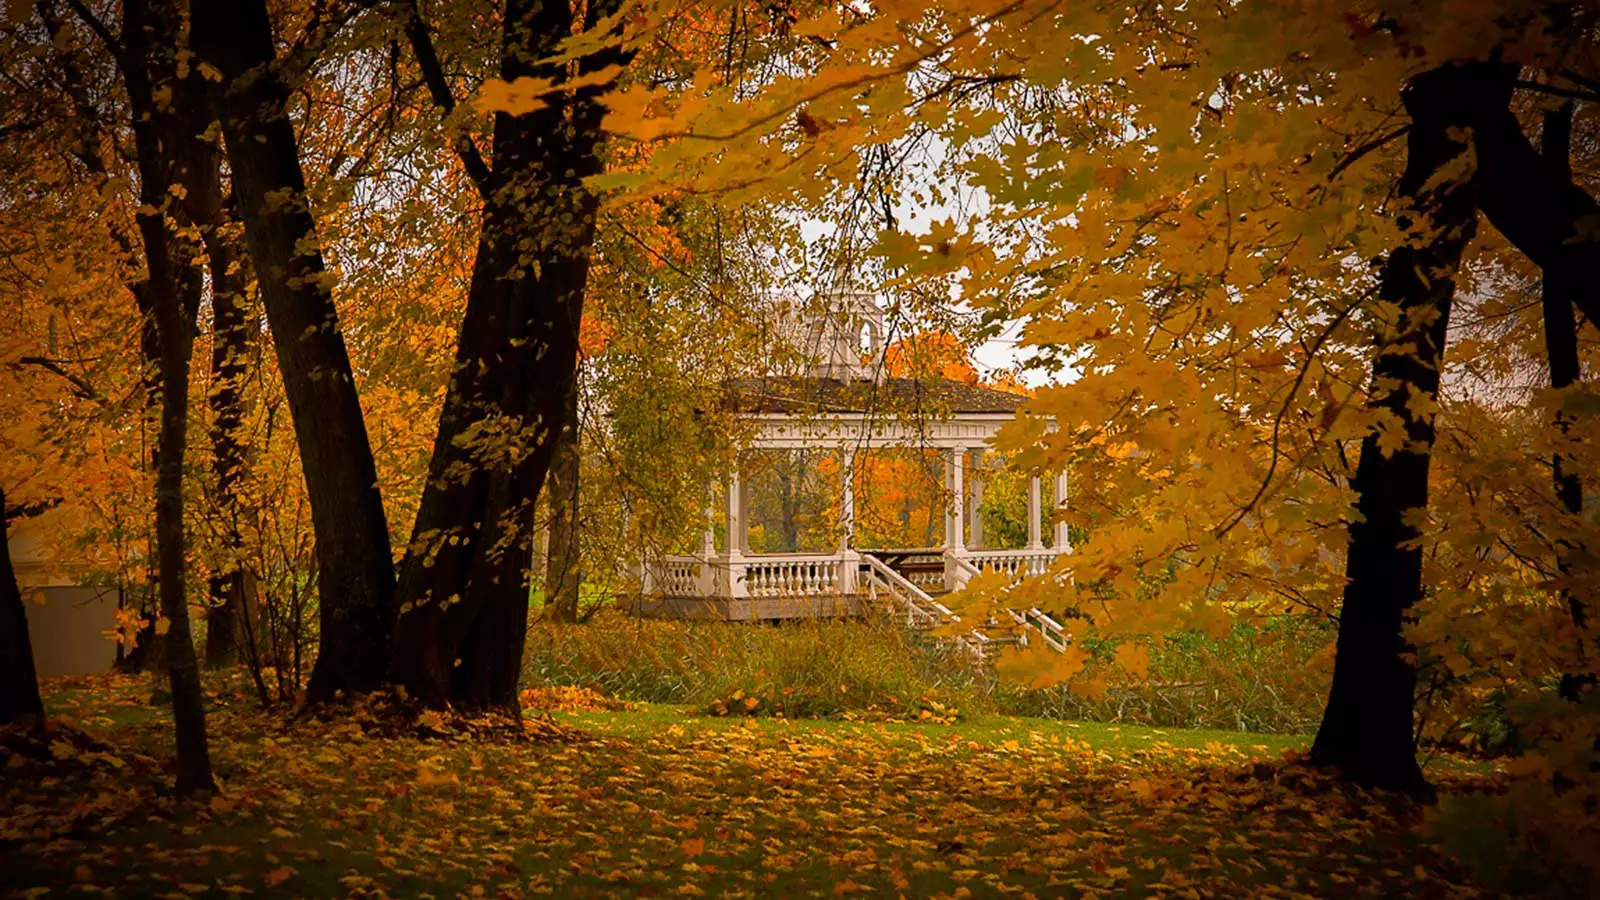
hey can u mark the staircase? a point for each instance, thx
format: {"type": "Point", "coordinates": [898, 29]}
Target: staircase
{"type": "Point", "coordinates": [885, 587]}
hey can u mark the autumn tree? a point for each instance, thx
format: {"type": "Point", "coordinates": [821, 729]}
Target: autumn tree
{"type": "Point", "coordinates": [562, 560]}
{"type": "Point", "coordinates": [166, 137]}
{"type": "Point", "coordinates": [463, 582]}
{"type": "Point", "coordinates": [1367, 730]}
{"type": "Point", "coordinates": [1183, 214]}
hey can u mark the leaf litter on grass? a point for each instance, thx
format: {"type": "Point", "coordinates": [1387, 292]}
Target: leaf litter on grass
{"type": "Point", "coordinates": [754, 808]}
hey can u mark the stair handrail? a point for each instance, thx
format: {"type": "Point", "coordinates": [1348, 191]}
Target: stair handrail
{"type": "Point", "coordinates": [913, 595]}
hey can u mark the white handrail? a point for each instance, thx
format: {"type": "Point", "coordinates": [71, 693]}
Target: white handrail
{"type": "Point", "coordinates": [912, 594]}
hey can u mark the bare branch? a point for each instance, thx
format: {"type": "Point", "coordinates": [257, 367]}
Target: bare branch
{"type": "Point", "coordinates": [433, 75]}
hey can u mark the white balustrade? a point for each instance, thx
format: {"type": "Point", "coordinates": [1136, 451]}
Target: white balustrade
{"type": "Point", "coordinates": [679, 576]}
{"type": "Point", "coordinates": [1024, 563]}
{"type": "Point", "coordinates": [792, 576]}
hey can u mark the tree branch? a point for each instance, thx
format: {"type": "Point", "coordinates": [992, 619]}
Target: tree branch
{"type": "Point", "coordinates": [1548, 217]}
{"type": "Point", "coordinates": [88, 18]}
{"type": "Point", "coordinates": [81, 387]}
{"type": "Point", "coordinates": [1552, 90]}
{"type": "Point", "coordinates": [433, 75]}
{"type": "Point", "coordinates": [15, 512]}
{"type": "Point", "coordinates": [1355, 155]}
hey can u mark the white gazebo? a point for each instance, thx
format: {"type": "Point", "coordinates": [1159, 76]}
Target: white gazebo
{"type": "Point", "coordinates": [841, 404]}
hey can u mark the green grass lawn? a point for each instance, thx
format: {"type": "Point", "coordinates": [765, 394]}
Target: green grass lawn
{"type": "Point", "coordinates": [656, 800]}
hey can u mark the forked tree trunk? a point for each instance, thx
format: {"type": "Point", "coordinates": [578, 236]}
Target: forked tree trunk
{"type": "Point", "coordinates": [562, 558]}
{"type": "Point", "coordinates": [233, 334]}
{"type": "Point", "coordinates": [464, 583]}
{"type": "Point", "coordinates": [20, 703]}
{"type": "Point", "coordinates": [1367, 730]}
{"type": "Point", "coordinates": [151, 32]}
{"type": "Point", "coordinates": [356, 581]}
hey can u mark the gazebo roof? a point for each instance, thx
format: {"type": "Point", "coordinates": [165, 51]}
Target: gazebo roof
{"type": "Point", "coordinates": [809, 395]}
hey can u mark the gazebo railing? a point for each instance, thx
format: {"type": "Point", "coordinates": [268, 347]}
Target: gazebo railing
{"type": "Point", "coordinates": [679, 576]}
{"type": "Point", "coordinates": [1023, 563]}
{"type": "Point", "coordinates": [793, 576]}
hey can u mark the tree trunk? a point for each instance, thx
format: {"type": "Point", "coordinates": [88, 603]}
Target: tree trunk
{"type": "Point", "coordinates": [1559, 286]}
{"type": "Point", "coordinates": [562, 560]}
{"type": "Point", "coordinates": [20, 703]}
{"type": "Point", "coordinates": [1367, 729]}
{"type": "Point", "coordinates": [233, 333]}
{"type": "Point", "coordinates": [356, 579]}
{"type": "Point", "coordinates": [151, 34]}
{"type": "Point", "coordinates": [463, 585]}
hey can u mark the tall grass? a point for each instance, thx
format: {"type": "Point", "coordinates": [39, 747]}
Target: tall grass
{"type": "Point", "coordinates": [811, 668]}
{"type": "Point", "coordinates": [1264, 678]}
{"type": "Point", "coordinates": [1269, 677]}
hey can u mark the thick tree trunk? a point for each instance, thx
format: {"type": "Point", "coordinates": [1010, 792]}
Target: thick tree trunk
{"type": "Point", "coordinates": [464, 582]}
{"type": "Point", "coordinates": [1367, 730]}
{"type": "Point", "coordinates": [151, 34]}
{"type": "Point", "coordinates": [20, 703]}
{"type": "Point", "coordinates": [356, 579]}
{"type": "Point", "coordinates": [562, 559]}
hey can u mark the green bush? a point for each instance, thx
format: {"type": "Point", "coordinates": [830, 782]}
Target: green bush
{"type": "Point", "coordinates": [805, 668]}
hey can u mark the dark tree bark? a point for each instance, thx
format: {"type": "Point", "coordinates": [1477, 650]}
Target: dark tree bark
{"type": "Point", "coordinates": [1561, 348]}
{"type": "Point", "coordinates": [464, 581]}
{"type": "Point", "coordinates": [562, 559]}
{"type": "Point", "coordinates": [149, 61]}
{"type": "Point", "coordinates": [233, 332]}
{"type": "Point", "coordinates": [356, 580]}
{"type": "Point", "coordinates": [20, 703]}
{"type": "Point", "coordinates": [1533, 201]}
{"type": "Point", "coordinates": [1367, 730]}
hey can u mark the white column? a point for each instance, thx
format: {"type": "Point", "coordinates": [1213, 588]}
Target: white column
{"type": "Point", "coordinates": [955, 507]}
{"type": "Point", "coordinates": [707, 582]}
{"type": "Point", "coordinates": [1059, 537]}
{"type": "Point", "coordinates": [1035, 540]}
{"type": "Point", "coordinates": [847, 500]}
{"type": "Point", "coordinates": [736, 532]}
{"type": "Point", "coordinates": [975, 503]}
{"type": "Point", "coordinates": [736, 536]}
{"type": "Point", "coordinates": [708, 541]}
{"type": "Point", "coordinates": [849, 559]}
